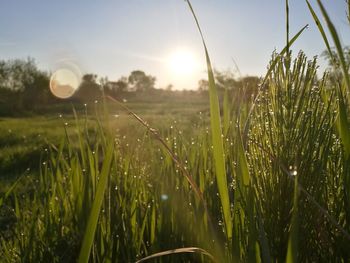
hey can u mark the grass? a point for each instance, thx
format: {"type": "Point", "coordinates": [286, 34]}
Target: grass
{"type": "Point", "coordinates": [267, 183]}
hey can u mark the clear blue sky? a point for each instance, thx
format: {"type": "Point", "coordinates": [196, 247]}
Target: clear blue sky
{"type": "Point", "coordinates": [112, 38]}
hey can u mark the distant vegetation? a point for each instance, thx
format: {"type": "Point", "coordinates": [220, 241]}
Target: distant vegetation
{"type": "Point", "coordinates": [24, 89]}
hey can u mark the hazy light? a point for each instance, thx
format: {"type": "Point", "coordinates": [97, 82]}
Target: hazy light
{"type": "Point", "coordinates": [182, 62]}
{"type": "Point", "coordinates": [64, 83]}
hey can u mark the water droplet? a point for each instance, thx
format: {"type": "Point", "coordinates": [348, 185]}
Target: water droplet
{"type": "Point", "coordinates": [164, 197]}
{"type": "Point", "coordinates": [293, 170]}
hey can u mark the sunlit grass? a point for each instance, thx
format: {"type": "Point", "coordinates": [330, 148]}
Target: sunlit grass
{"type": "Point", "coordinates": [268, 182]}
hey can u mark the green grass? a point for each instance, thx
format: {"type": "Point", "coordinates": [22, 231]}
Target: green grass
{"type": "Point", "coordinates": [184, 182]}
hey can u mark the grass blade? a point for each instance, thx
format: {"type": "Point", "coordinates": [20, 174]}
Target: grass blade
{"type": "Point", "coordinates": [226, 113]}
{"type": "Point", "coordinates": [348, 15]}
{"type": "Point", "coordinates": [320, 28]}
{"type": "Point", "coordinates": [343, 125]}
{"type": "Point", "coordinates": [287, 26]}
{"type": "Point", "coordinates": [292, 252]}
{"type": "Point", "coordinates": [10, 190]}
{"type": "Point", "coordinates": [96, 207]}
{"type": "Point", "coordinates": [245, 194]}
{"type": "Point", "coordinates": [217, 138]}
{"type": "Point", "coordinates": [337, 44]}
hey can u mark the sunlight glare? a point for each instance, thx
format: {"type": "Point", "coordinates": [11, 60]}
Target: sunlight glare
{"type": "Point", "coordinates": [182, 62]}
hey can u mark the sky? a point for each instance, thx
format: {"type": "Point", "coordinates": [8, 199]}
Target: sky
{"type": "Point", "coordinates": [114, 37]}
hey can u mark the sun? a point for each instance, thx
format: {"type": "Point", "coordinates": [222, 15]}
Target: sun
{"type": "Point", "coordinates": [182, 62]}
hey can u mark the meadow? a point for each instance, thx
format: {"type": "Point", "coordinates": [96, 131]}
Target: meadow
{"type": "Point", "coordinates": [259, 180]}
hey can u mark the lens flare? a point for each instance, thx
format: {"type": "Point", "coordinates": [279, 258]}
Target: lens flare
{"type": "Point", "coordinates": [64, 83]}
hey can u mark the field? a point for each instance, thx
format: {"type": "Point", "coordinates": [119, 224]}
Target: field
{"type": "Point", "coordinates": [214, 179]}
{"type": "Point", "coordinates": [24, 140]}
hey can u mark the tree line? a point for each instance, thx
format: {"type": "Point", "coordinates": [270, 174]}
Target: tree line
{"type": "Point", "coordinates": [25, 88]}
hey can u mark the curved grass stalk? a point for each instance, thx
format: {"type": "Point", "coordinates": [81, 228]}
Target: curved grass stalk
{"type": "Point", "coordinates": [179, 251]}
{"type": "Point", "coordinates": [177, 161]}
{"type": "Point", "coordinates": [180, 165]}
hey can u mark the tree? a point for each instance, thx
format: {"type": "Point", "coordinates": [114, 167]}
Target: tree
{"type": "Point", "coordinates": [225, 80]}
{"type": "Point", "coordinates": [119, 86]}
{"type": "Point", "coordinates": [23, 85]}
{"type": "Point", "coordinates": [169, 87]}
{"type": "Point", "coordinates": [334, 62]}
{"type": "Point", "coordinates": [203, 85]}
{"type": "Point", "coordinates": [139, 81]}
{"type": "Point", "coordinates": [17, 74]}
{"type": "Point", "coordinates": [37, 93]}
{"type": "Point", "coordinates": [89, 89]}
{"type": "Point", "coordinates": [250, 85]}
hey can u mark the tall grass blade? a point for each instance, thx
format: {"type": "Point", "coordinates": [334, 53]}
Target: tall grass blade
{"type": "Point", "coordinates": [81, 143]}
{"type": "Point", "coordinates": [244, 176]}
{"type": "Point", "coordinates": [292, 251]}
{"type": "Point", "coordinates": [96, 207]}
{"type": "Point", "coordinates": [217, 138]}
{"type": "Point", "coordinates": [245, 195]}
{"type": "Point", "coordinates": [287, 26]}
{"type": "Point", "coordinates": [320, 28]}
{"type": "Point", "coordinates": [343, 124]}
{"type": "Point", "coordinates": [226, 113]}
{"type": "Point", "coordinates": [348, 15]}
{"type": "Point", "coordinates": [337, 44]}
{"type": "Point", "coordinates": [10, 190]}
{"type": "Point", "coordinates": [264, 244]}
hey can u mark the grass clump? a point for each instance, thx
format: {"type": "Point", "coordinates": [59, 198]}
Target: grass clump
{"type": "Point", "coordinates": [293, 134]}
